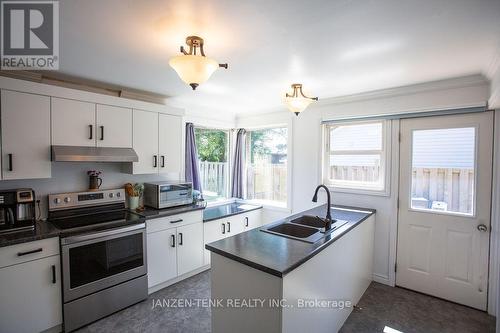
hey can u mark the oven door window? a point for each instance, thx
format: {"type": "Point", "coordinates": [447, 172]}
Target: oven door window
{"type": "Point", "coordinates": [96, 261]}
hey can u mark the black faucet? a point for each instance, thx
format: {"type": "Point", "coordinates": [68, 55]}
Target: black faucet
{"type": "Point", "coordinates": [328, 219]}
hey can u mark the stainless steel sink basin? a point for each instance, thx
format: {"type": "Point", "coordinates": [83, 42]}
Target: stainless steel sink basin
{"type": "Point", "coordinates": [293, 230]}
{"type": "Point", "coordinates": [311, 221]}
{"type": "Point", "coordinates": [306, 228]}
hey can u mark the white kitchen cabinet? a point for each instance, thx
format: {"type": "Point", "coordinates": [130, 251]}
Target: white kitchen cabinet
{"type": "Point", "coordinates": [252, 219]}
{"type": "Point", "coordinates": [25, 126]}
{"type": "Point", "coordinates": [212, 232]}
{"type": "Point", "coordinates": [145, 142]}
{"type": "Point", "coordinates": [175, 246]}
{"type": "Point", "coordinates": [170, 143]}
{"type": "Point", "coordinates": [157, 140]}
{"type": "Point", "coordinates": [162, 256]}
{"type": "Point", "coordinates": [73, 122]}
{"type": "Point", "coordinates": [31, 294]}
{"type": "Point", "coordinates": [189, 248]}
{"type": "Point", "coordinates": [229, 226]}
{"type": "Point", "coordinates": [114, 126]}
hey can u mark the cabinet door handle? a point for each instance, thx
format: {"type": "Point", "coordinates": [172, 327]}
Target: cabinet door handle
{"type": "Point", "coordinates": [155, 161]}
{"type": "Point", "coordinates": [20, 254]}
{"type": "Point", "coordinates": [172, 240]}
{"type": "Point", "coordinates": [102, 133]}
{"type": "Point", "coordinates": [11, 168]}
{"type": "Point", "coordinates": [162, 161]}
{"type": "Point", "coordinates": [180, 238]}
{"type": "Point", "coordinates": [54, 274]}
{"type": "Point", "coordinates": [91, 131]}
{"type": "Point", "coordinates": [176, 221]}
{"type": "Point", "coordinates": [228, 227]}
{"type": "Point", "coordinates": [223, 228]}
{"type": "Point", "coordinates": [246, 221]}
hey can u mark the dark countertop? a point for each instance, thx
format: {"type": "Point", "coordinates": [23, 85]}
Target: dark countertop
{"type": "Point", "coordinates": [230, 209]}
{"type": "Point", "coordinates": [279, 255]}
{"type": "Point", "coordinates": [152, 213]}
{"type": "Point", "coordinates": [42, 230]}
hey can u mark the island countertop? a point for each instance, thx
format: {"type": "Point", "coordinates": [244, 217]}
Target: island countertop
{"type": "Point", "coordinates": [278, 255]}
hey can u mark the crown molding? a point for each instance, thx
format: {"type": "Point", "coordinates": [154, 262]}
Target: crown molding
{"type": "Point", "coordinates": [476, 80]}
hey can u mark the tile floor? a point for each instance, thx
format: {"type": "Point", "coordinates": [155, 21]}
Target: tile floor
{"type": "Point", "coordinates": [380, 306]}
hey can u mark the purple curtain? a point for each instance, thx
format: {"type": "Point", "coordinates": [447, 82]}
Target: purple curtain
{"type": "Point", "coordinates": [238, 165]}
{"type": "Point", "coordinates": [191, 165]}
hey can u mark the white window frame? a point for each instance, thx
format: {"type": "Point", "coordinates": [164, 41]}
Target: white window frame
{"type": "Point", "coordinates": [274, 205]}
{"type": "Point", "coordinates": [385, 159]}
{"type": "Point", "coordinates": [229, 150]}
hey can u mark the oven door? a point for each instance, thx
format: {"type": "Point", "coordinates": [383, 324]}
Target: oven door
{"type": "Point", "coordinates": [97, 261]}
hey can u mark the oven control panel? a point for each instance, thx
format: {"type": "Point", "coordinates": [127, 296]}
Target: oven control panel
{"type": "Point", "coordinates": [79, 199]}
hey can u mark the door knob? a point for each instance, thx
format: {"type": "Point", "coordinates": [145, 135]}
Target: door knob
{"type": "Point", "coordinates": [482, 228]}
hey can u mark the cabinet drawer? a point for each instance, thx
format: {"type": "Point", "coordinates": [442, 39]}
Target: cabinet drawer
{"type": "Point", "coordinates": [163, 223]}
{"type": "Point", "coordinates": [19, 253]}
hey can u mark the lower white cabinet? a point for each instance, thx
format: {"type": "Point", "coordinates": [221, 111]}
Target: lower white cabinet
{"type": "Point", "coordinates": [189, 248]}
{"type": "Point", "coordinates": [162, 256]}
{"type": "Point", "coordinates": [229, 226]}
{"type": "Point", "coordinates": [174, 245]}
{"type": "Point", "coordinates": [30, 294]}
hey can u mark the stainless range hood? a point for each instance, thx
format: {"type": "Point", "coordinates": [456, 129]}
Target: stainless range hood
{"type": "Point", "coordinates": [93, 154]}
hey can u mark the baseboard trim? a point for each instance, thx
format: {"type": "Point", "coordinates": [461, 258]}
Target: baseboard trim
{"type": "Point", "coordinates": [382, 279]}
{"type": "Point", "coordinates": [177, 279]}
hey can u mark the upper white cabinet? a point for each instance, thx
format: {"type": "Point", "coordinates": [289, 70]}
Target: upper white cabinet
{"type": "Point", "coordinates": [170, 143]}
{"type": "Point", "coordinates": [77, 123]}
{"type": "Point", "coordinates": [114, 126]}
{"type": "Point", "coordinates": [157, 140]}
{"type": "Point", "coordinates": [25, 135]}
{"type": "Point", "coordinates": [73, 123]}
{"type": "Point", "coordinates": [145, 142]}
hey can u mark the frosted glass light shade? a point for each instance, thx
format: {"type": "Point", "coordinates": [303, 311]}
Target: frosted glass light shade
{"type": "Point", "coordinates": [193, 69]}
{"type": "Point", "coordinates": [297, 104]}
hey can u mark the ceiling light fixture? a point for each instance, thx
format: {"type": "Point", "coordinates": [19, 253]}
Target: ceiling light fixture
{"type": "Point", "coordinates": [297, 101]}
{"type": "Point", "coordinates": [194, 68]}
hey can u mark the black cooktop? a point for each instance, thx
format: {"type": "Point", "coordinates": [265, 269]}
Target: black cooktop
{"type": "Point", "coordinates": [93, 218]}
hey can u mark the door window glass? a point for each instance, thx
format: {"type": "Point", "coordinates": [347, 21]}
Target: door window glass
{"type": "Point", "coordinates": [443, 170]}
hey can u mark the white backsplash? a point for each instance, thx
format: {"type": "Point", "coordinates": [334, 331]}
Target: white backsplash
{"type": "Point", "coordinates": [72, 177]}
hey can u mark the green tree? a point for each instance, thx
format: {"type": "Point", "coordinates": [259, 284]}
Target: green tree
{"type": "Point", "coordinates": [211, 145]}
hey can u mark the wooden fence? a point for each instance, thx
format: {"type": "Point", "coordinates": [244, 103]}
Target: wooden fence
{"type": "Point", "coordinates": [267, 181]}
{"type": "Point", "coordinates": [213, 177]}
{"type": "Point", "coordinates": [455, 187]}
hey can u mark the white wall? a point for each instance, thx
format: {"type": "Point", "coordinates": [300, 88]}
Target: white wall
{"type": "Point", "coordinates": [72, 177]}
{"type": "Point", "coordinates": [306, 140]}
{"type": "Point", "coordinates": [494, 101]}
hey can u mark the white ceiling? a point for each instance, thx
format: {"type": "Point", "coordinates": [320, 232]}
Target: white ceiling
{"type": "Point", "coordinates": [333, 47]}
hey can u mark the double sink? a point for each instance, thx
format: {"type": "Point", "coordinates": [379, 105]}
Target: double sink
{"type": "Point", "coordinates": [306, 228]}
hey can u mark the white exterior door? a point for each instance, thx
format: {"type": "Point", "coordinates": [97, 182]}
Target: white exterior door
{"type": "Point", "coordinates": [146, 142]}
{"type": "Point", "coordinates": [73, 122]}
{"type": "Point", "coordinates": [189, 248]}
{"type": "Point", "coordinates": [444, 213]}
{"type": "Point", "coordinates": [162, 256]}
{"type": "Point", "coordinates": [170, 143]}
{"type": "Point", "coordinates": [114, 126]}
{"type": "Point", "coordinates": [25, 135]}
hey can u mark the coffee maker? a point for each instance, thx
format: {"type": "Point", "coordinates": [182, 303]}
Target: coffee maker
{"type": "Point", "coordinates": [17, 210]}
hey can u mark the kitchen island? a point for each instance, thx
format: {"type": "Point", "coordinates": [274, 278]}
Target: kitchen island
{"type": "Point", "coordinates": [270, 283]}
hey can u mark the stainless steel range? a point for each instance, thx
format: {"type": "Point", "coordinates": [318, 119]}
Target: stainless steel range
{"type": "Point", "coordinates": [103, 254]}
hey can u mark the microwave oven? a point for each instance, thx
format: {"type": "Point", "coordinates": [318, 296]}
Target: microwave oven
{"type": "Point", "coordinates": [165, 194]}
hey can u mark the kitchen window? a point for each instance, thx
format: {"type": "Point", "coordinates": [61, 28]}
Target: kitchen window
{"type": "Point", "coordinates": [266, 165]}
{"type": "Point", "coordinates": [355, 156]}
{"type": "Point", "coordinates": [213, 156]}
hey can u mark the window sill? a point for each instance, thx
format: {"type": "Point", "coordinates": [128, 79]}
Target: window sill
{"type": "Point", "coordinates": [272, 205]}
{"type": "Point", "coordinates": [378, 193]}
